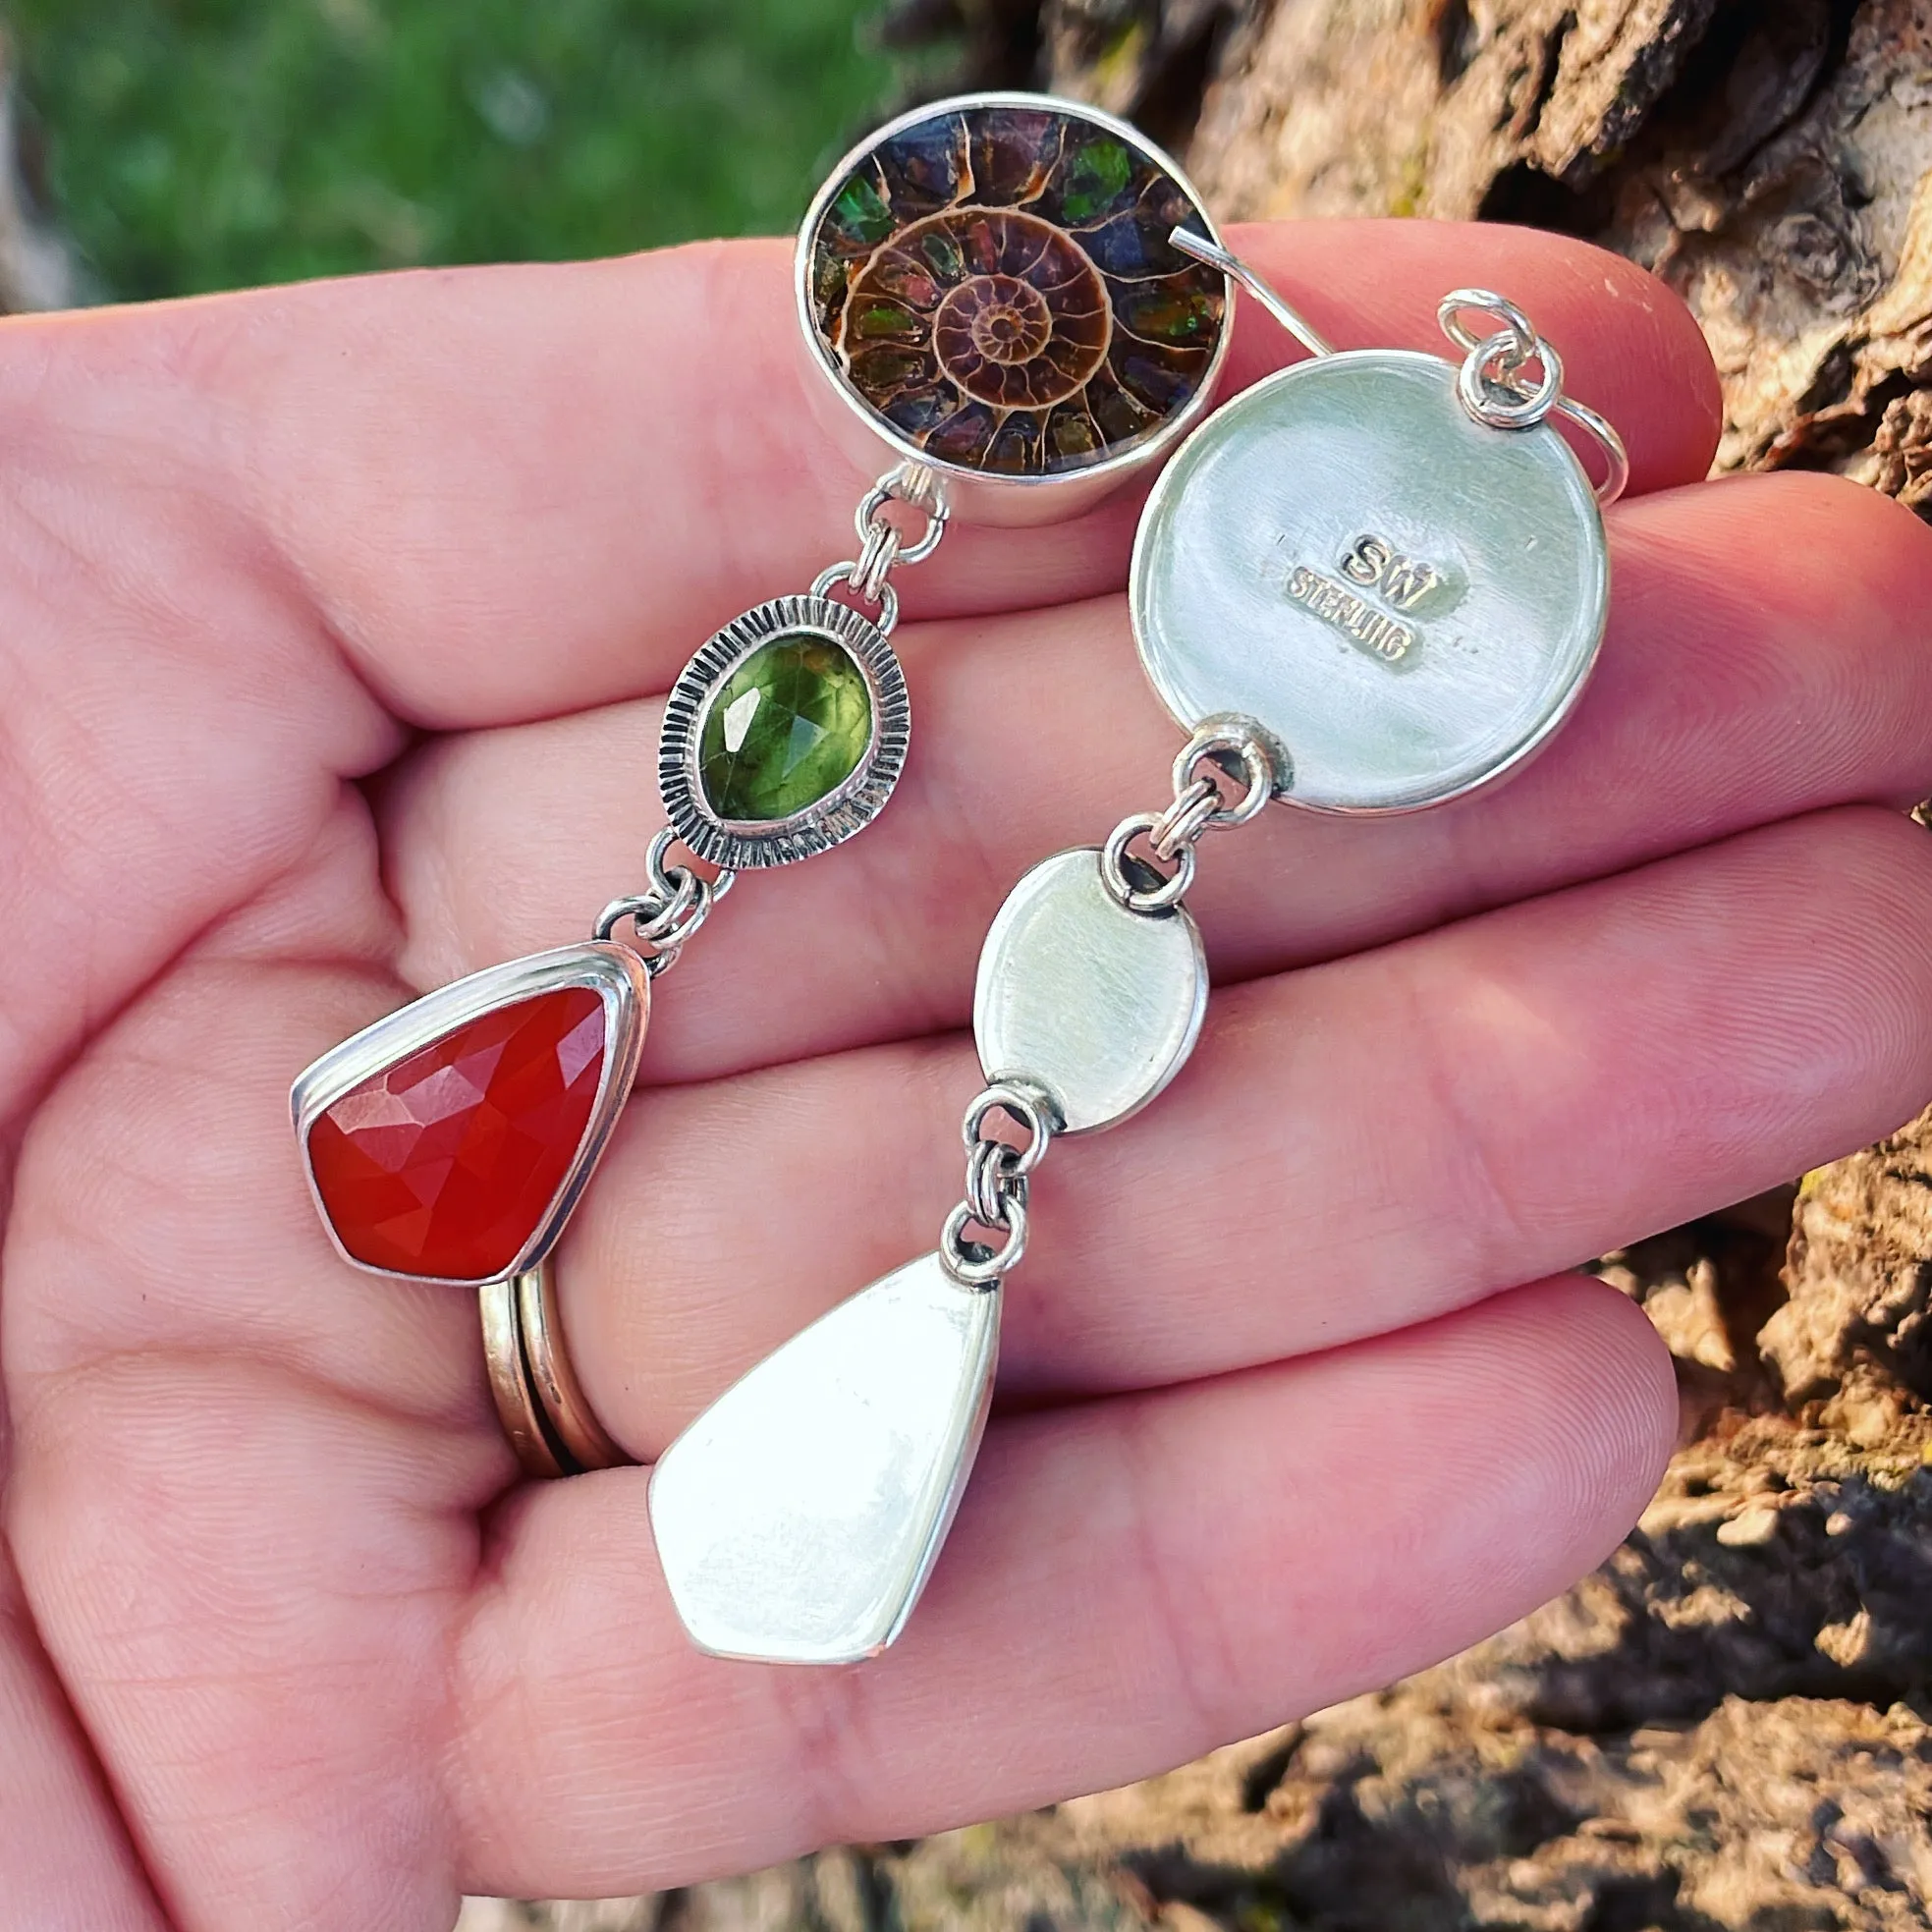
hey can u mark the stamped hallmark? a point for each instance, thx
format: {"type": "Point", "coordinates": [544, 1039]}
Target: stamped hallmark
{"type": "Point", "coordinates": [1372, 609]}
{"type": "Point", "coordinates": [1377, 563]}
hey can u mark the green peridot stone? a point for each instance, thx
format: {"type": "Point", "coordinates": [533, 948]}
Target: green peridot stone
{"type": "Point", "coordinates": [790, 725]}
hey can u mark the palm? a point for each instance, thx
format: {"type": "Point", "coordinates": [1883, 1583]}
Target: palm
{"type": "Point", "coordinates": [295, 1651]}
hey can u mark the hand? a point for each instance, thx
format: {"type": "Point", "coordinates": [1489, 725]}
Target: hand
{"type": "Point", "coordinates": [332, 629]}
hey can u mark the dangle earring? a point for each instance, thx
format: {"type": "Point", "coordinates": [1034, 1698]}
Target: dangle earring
{"type": "Point", "coordinates": [1370, 583]}
{"type": "Point", "coordinates": [990, 289]}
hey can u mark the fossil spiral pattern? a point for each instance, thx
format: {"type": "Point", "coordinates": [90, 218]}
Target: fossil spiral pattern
{"type": "Point", "coordinates": [996, 282]}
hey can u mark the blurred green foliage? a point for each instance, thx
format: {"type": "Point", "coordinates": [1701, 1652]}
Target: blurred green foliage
{"type": "Point", "coordinates": [196, 144]}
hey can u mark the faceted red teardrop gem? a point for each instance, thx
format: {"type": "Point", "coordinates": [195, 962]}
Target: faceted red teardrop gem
{"type": "Point", "coordinates": [444, 1164]}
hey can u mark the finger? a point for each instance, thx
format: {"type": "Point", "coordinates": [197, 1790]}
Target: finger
{"type": "Point", "coordinates": [247, 1485]}
{"type": "Point", "coordinates": [1353, 1147]}
{"type": "Point", "coordinates": [1726, 699]}
{"type": "Point", "coordinates": [170, 721]}
{"type": "Point", "coordinates": [515, 491]}
{"type": "Point", "coordinates": [69, 1866]}
{"type": "Point", "coordinates": [1128, 1584]}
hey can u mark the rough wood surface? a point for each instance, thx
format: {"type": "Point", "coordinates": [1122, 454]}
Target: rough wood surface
{"type": "Point", "coordinates": [1724, 1729]}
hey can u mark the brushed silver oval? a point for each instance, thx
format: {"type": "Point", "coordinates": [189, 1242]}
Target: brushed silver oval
{"type": "Point", "coordinates": [1407, 600]}
{"type": "Point", "coordinates": [1097, 1006]}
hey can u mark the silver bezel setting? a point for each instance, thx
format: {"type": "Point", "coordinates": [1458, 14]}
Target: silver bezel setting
{"type": "Point", "coordinates": [1229, 422]}
{"type": "Point", "coordinates": [992, 496]}
{"type": "Point", "coordinates": [613, 972]}
{"type": "Point", "coordinates": [739, 843]}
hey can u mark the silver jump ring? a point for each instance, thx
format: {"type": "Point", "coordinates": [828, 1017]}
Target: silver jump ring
{"type": "Point", "coordinates": [635, 906]}
{"type": "Point", "coordinates": [1517, 326]}
{"type": "Point", "coordinates": [1497, 401]}
{"type": "Point", "coordinates": [658, 955]}
{"type": "Point", "coordinates": [677, 902]}
{"type": "Point", "coordinates": [1516, 344]}
{"type": "Point", "coordinates": [653, 918]}
{"type": "Point", "coordinates": [875, 562]}
{"type": "Point", "coordinates": [828, 579]}
{"type": "Point", "coordinates": [1211, 743]}
{"type": "Point", "coordinates": [1113, 871]}
{"type": "Point", "coordinates": [669, 912]}
{"type": "Point", "coordinates": [902, 488]}
{"type": "Point", "coordinates": [1033, 1110]}
{"type": "Point", "coordinates": [984, 1271]}
{"type": "Point", "coordinates": [993, 1180]}
{"type": "Point", "coordinates": [1185, 820]}
{"type": "Point", "coordinates": [665, 879]}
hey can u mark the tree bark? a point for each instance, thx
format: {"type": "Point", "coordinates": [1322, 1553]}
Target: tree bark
{"type": "Point", "coordinates": [1721, 1728]}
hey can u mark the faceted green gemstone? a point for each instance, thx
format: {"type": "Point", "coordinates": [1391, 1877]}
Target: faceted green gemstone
{"type": "Point", "coordinates": [790, 725]}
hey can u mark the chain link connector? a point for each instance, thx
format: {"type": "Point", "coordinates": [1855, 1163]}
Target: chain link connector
{"type": "Point", "coordinates": [915, 485]}
{"type": "Point", "coordinates": [1493, 393]}
{"type": "Point", "coordinates": [972, 1264]}
{"type": "Point", "coordinates": [670, 909]}
{"type": "Point", "coordinates": [1490, 389]}
{"type": "Point", "coordinates": [882, 546]}
{"type": "Point", "coordinates": [1030, 1109]}
{"type": "Point", "coordinates": [1169, 889]}
{"type": "Point", "coordinates": [992, 1181]}
{"type": "Point", "coordinates": [1221, 753]}
{"type": "Point", "coordinates": [1185, 820]}
{"type": "Point", "coordinates": [1238, 753]}
{"type": "Point", "coordinates": [1517, 337]}
{"type": "Point", "coordinates": [996, 1190]}
{"type": "Point", "coordinates": [837, 576]}
{"type": "Point", "coordinates": [876, 557]}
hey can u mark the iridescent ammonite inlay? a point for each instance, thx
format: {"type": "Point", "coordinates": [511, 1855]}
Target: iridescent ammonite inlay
{"type": "Point", "coordinates": [997, 283]}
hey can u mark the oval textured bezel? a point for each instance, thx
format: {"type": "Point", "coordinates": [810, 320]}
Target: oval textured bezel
{"type": "Point", "coordinates": [742, 845]}
{"type": "Point", "coordinates": [1115, 463]}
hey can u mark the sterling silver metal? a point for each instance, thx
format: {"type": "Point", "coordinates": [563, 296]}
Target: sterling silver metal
{"type": "Point", "coordinates": [744, 844]}
{"type": "Point", "coordinates": [1372, 582]}
{"type": "Point", "coordinates": [1492, 389]}
{"type": "Point", "coordinates": [615, 972]}
{"type": "Point", "coordinates": [976, 495]}
{"type": "Point", "coordinates": [1235, 269]}
{"type": "Point", "coordinates": [798, 1518]}
{"type": "Point", "coordinates": [1097, 1006]}
{"type": "Point", "coordinates": [998, 1182]}
{"type": "Point", "coordinates": [1405, 598]}
{"type": "Point", "coordinates": [1236, 750]}
{"type": "Point", "coordinates": [881, 544]}
{"type": "Point", "coordinates": [669, 911]}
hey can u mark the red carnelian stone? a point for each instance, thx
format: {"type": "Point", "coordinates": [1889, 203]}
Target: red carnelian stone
{"type": "Point", "coordinates": [444, 1164]}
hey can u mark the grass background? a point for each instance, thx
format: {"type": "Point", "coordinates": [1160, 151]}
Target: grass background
{"type": "Point", "coordinates": [196, 144]}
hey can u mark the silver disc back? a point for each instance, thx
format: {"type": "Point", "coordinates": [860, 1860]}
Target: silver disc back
{"type": "Point", "coordinates": [1406, 600]}
{"type": "Point", "coordinates": [1097, 1005]}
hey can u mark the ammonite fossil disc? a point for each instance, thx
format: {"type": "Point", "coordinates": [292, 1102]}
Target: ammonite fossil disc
{"type": "Point", "coordinates": [991, 281]}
